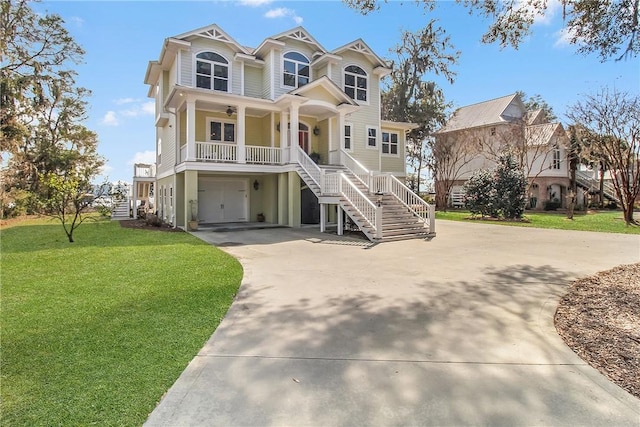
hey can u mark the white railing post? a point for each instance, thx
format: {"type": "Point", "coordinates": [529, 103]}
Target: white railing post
{"type": "Point", "coordinates": [432, 219]}
{"type": "Point", "coordinates": [379, 221]}
{"type": "Point", "coordinates": [322, 181]}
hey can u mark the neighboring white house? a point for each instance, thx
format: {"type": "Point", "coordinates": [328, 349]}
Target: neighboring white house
{"type": "Point", "coordinates": [486, 129]}
{"type": "Point", "coordinates": [287, 132]}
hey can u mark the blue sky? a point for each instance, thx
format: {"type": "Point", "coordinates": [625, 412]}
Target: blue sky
{"type": "Point", "coordinates": [120, 37]}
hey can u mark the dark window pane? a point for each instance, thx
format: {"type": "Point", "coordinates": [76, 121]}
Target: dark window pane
{"type": "Point", "coordinates": [216, 134]}
{"type": "Point", "coordinates": [302, 81]}
{"type": "Point", "coordinates": [385, 149]}
{"type": "Point", "coordinates": [371, 132]}
{"type": "Point", "coordinates": [210, 56]}
{"type": "Point", "coordinates": [362, 83]}
{"type": "Point", "coordinates": [303, 70]}
{"type": "Point", "coordinates": [203, 68]}
{"type": "Point", "coordinates": [355, 70]}
{"type": "Point", "coordinates": [347, 131]}
{"type": "Point", "coordinates": [350, 91]}
{"type": "Point", "coordinates": [347, 143]}
{"type": "Point", "coordinates": [296, 57]}
{"type": "Point", "coordinates": [394, 138]}
{"type": "Point", "coordinates": [203, 81]}
{"type": "Point", "coordinates": [289, 67]}
{"type": "Point", "coordinates": [349, 80]}
{"type": "Point", "coordinates": [394, 149]}
{"type": "Point", "coordinates": [220, 71]}
{"type": "Point", "coordinates": [385, 137]}
{"type": "Point", "coordinates": [362, 95]}
{"type": "Point", "coordinates": [229, 133]}
{"type": "Point", "coordinates": [221, 85]}
{"type": "Point", "coordinates": [289, 80]}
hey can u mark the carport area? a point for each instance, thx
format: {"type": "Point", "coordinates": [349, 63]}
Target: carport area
{"type": "Point", "coordinates": [455, 331]}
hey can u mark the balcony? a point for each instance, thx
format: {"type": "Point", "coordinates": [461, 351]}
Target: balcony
{"type": "Point", "coordinates": [141, 170]}
{"type": "Point", "coordinates": [216, 152]}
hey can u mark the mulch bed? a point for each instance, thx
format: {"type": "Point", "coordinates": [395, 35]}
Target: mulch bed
{"type": "Point", "coordinates": [142, 225]}
{"type": "Point", "coordinates": [599, 319]}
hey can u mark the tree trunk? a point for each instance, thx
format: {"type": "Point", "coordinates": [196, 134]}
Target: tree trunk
{"type": "Point", "coordinates": [601, 189]}
{"type": "Point", "coordinates": [627, 211]}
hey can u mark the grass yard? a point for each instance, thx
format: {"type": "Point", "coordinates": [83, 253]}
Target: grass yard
{"type": "Point", "coordinates": [94, 332]}
{"type": "Point", "coordinates": [604, 221]}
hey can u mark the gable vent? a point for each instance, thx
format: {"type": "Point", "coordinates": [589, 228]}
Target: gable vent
{"type": "Point", "coordinates": [214, 34]}
{"type": "Point", "coordinates": [360, 48]}
{"type": "Point", "coordinates": [300, 35]}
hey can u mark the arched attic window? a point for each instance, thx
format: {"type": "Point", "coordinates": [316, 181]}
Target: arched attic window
{"type": "Point", "coordinates": [355, 83]}
{"type": "Point", "coordinates": [296, 70]}
{"type": "Point", "coordinates": [212, 71]}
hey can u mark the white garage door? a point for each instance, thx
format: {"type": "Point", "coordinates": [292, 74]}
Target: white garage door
{"type": "Point", "coordinates": [222, 200]}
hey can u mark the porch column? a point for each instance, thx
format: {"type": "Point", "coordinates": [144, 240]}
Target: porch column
{"type": "Point", "coordinates": [284, 121]}
{"type": "Point", "coordinates": [191, 131]}
{"type": "Point", "coordinates": [294, 199]}
{"type": "Point", "coordinates": [341, 137]}
{"type": "Point", "coordinates": [135, 198]}
{"type": "Point", "coordinates": [240, 143]}
{"type": "Point", "coordinates": [282, 199]}
{"type": "Point", "coordinates": [293, 132]}
{"type": "Point", "coordinates": [190, 193]}
{"type": "Point", "coordinates": [340, 221]}
{"type": "Point", "coordinates": [323, 217]}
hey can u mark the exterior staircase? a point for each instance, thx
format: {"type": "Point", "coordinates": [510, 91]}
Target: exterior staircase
{"type": "Point", "coordinates": [389, 214]}
{"type": "Point", "coordinates": [120, 210]}
{"type": "Point", "coordinates": [585, 181]}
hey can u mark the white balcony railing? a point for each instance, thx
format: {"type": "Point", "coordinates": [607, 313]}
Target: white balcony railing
{"type": "Point", "coordinates": [263, 155]}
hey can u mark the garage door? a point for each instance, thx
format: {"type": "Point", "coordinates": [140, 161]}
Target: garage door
{"type": "Point", "coordinates": [222, 200]}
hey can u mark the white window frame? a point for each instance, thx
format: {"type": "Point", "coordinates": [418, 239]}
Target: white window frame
{"type": "Point", "coordinates": [368, 137]}
{"type": "Point", "coordinates": [213, 63]}
{"type": "Point", "coordinates": [222, 122]}
{"type": "Point", "coordinates": [397, 144]}
{"type": "Point", "coordinates": [556, 160]}
{"type": "Point", "coordinates": [297, 63]}
{"type": "Point", "coordinates": [355, 88]}
{"type": "Point", "coordinates": [351, 140]}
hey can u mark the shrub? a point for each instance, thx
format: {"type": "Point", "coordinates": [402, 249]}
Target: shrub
{"type": "Point", "coordinates": [154, 220]}
{"type": "Point", "coordinates": [499, 192]}
{"type": "Point", "coordinates": [551, 205]}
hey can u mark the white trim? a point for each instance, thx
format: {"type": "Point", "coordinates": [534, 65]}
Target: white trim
{"type": "Point", "coordinates": [351, 137]}
{"type": "Point", "coordinates": [366, 137]}
{"type": "Point", "coordinates": [389, 154]}
{"type": "Point", "coordinates": [195, 70]}
{"type": "Point", "coordinates": [222, 122]}
{"type": "Point", "coordinates": [281, 76]}
{"type": "Point", "coordinates": [368, 91]}
{"type": "Point", "coordinates": [242, 65]}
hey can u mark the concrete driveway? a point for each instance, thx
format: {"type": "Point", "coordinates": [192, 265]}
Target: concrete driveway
{"type": "Point", "coordinates": [455, 331]}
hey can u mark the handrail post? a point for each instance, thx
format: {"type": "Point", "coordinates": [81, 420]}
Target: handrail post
{"type": "Point", "coordinates": [379, 221]}
{"type": "Point", "coordinates": [432, 218]}
{"type": "Point", "coordinates": [322, 181]}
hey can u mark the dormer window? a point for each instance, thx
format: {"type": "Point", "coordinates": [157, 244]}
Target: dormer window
{"type": "Point", "coordinates": [212, 71]}
{"type": "Point", "coordinates": [355, 83]}
{"type": "Point", "coordinates": [295, 70]}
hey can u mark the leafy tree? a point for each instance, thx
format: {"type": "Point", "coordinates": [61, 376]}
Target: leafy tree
{"type": "Point", "coordinates": [43, 139]}
{"type": "Point", "coordinates": [607, 125]}
{"type": "Point", "coordinates": [609, 28]}
{"type": "Point", "coordinates": [510, 186]}
{"type": "Point", "coordinates": [500, 192]}
{"type": "Point", "coordinates": [480, 194]}
{"type": "Point", "coordinates": [410, 97]}
{"type": "Point", "coordinates": [537, 103]}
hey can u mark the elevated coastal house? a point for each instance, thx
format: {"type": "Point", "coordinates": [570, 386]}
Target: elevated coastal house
{"type": "Point", "coordinates": [287, 132]}
{"type": "Point", "coordinates": [478, 133]}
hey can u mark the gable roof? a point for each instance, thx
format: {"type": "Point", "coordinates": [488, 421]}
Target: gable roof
{"type": "Point", "coordinates": [359, 46]}
{"type": "Point", "coordinates": [541, 134]}
{"type": "Point", "coordinates": [495, 111]}
{"type": "Point", "coordinates": [300, 34]}
{"type": "Point", "coordinates": [213, 32]}
{"type": "Point", "coordinates": [329, 86]}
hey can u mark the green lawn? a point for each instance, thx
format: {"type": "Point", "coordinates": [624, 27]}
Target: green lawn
{"type": "Point", "coordinates": [94, 332]}
{"type": "Point", "coordinates": [606, 221]}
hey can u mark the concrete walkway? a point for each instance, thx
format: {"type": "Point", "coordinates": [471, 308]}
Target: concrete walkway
{"type": "Point", "coordinates": [331, 331]}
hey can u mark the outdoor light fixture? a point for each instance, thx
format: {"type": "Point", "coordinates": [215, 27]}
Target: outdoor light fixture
{"type": "Point", "coordinates": [278, 127]}
{"type": "Point", "coordinates": [229, 111]}
{"type": "Point", "coordinates": [256, 185]}
{"type": "Point", "coordinates": [316, 131]}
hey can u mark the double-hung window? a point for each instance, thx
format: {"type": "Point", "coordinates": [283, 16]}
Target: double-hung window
{"type": "Point", "coordinates": [212, 71]}
{"type": "Point", "coordinates": [295, 70]}
{"type": "Point", "coordinates": [389, 143]}
{"type": "Point", "coordinates": [355, 83]}
{"type": "Point", "coordinates": [555, 163]}
{"type": "Point", "coordinates": [348, 137]}
{"type": "Point", "coordinates": [372, 137]}
{"type": "Point", "coordinates": [220, 131]}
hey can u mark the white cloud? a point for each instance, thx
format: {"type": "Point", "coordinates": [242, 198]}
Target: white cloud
{"type": "Point", "coordinates": [553, 7]}
{"type": "Point", "coordinates": [149, 108]}
{"type": "Point", "coordinates": [76, 20]}
{"type": "Point", "coordinates": [146, 157]}
{"type": "Point", "coordinates": [283, 12]}
{"type": "Point", "coordinates": [563, 38]}
{"type": "Point", "coordinates": [110, 119]}
{"type": "Point", "coordinates": [122, 101]}
{"type": "Point", "coordinates": [254, 3]}
{"type": "Point", "coordinates": [146, 109]}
